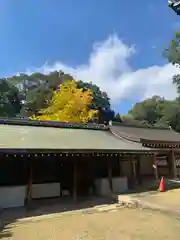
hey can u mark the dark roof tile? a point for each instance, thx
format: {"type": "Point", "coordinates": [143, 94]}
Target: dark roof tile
{"type": "Point", "coordinates": [37, 137]}
{"type": "Point", "coordinates": [136, 134]}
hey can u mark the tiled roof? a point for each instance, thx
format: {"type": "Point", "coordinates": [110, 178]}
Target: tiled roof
{"type": "Point", "coordinates": [39, 135]}
{"type": "Point", "coordinates": [137, 133]}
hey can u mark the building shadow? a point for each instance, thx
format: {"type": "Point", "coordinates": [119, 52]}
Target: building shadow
{"type": "Point", "coordinates": [44, 207]}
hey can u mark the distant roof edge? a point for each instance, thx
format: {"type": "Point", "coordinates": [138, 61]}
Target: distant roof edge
{"type": "Point", "coordinates": [54, 124]}
{"type": "Point", "coordinates": [139, 125]}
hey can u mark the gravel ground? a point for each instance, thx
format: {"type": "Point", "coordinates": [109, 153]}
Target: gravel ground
{"type": "Point", "coordinates": [118, 224]}
{"type": "Point", "coordinates": [169, 199]}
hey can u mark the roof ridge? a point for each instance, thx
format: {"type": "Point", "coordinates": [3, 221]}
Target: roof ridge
{"type": "Point", "coordinates": [126, 138]}
{"type": "Point", "coordinates": [53, 124]}
{"type": "Point", "coordinates": [140, 125]}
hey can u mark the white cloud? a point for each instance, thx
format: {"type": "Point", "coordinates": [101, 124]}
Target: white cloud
{"type": "Point", "coordinates": [108, 67]}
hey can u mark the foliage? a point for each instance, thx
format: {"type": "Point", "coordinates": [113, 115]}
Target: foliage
{"type": "Point", "coordinates": [37, 89]}
{"type": "Point", "coordinates": [100, 99]}
{"type": "Point", "coordinates": [117, 118]}
{"type": "Point", "coordinates": [149, 110]}
{"type": "Point", "coordinates": [157, 111]}
{"type": "Point", "coordinates": [68, 104]}
{"type": "Point", "coordinates": [172, 53]}
{"type": "Point", "coordinates": [100, 102]}
{"type": "Point", "coordinates": [10, 103]}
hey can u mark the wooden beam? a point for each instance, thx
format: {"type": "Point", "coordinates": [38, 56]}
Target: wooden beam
{"type": "Point", "coordinates": [134, 170]}
{"type": "Point", "coordinates": [133, 167]}
{"type": "Point", "coordinates": [174, 169]}
{"type": "Point", "coordinates": [74, 180]}
{"type": "Point", "coordinates": [110, 174]}
{"type": "Point", "coordinates": [28, 196]}
{"type": "Point", "coordinates": [120, 168]}
{"type": "Point", "coordinates": [138, 170]}
{"type": "Point", "coordinates": [169, 163]}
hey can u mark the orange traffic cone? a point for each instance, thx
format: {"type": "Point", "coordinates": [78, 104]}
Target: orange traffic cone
{"type": "Point", "coordinates": [161, 185]}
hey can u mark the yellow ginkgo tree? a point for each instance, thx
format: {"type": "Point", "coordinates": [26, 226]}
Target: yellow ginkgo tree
{"type": "Point", "coordinates": [68, 104]}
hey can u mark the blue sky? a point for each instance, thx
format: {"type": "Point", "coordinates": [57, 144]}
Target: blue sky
{"type": "Point", "coordinates": [62, 33]}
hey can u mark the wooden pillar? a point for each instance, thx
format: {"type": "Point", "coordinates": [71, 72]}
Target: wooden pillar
{"type": "Point", "coordinates": [59, 167]}
{"type": "Point", "coordinates": [29, 181]}
{"type": "Point", "coordinates": [74, 180]}
{"type": "Point", "coordinates": [93, 176]}
{"type": "Point", "coordinates": [174, 169]}
{"type": "Point", "coordinates": [122, 172]}
{"type": "Point", "coordinates": [110, 174]}
{"type": "Point", "coordinates": [134, 170]}
{"type": "Point", "coordinates": [169, 164]}
{"type": "Point", "coordinates": [120, 168]}
{"type": "Point", "coordinates": [155, 167]}
{"type": "Point", "coordinates": [133, 177]}
{"type": "Point", "coordinates": [26, 169]}
{"type": "Point", "coordinates": [138, 170]}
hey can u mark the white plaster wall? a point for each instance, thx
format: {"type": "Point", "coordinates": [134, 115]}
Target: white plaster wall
{"type": "Point", "coordinates": [102, 187]}
{"type": "Point", "coordinates": [45, 190]}
{"type": "Point", "coordinates": [120, 184]}
{"type": "Point", "coordinates": [12, 196]}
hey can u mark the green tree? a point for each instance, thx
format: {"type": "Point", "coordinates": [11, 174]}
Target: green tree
{"type": "Point", "coordinates": [117, 118]}
{"type": "Point", "coordinates": [158, 112]}
{"type": "Point", "coordinates": [100, 99]}
{"type": "Point", "coordinates": [68, 104]}
{"type": "Point", "coordinates": [172, 54]}
{"type": "Point", "coordinates": [10, 101]}
{"type": "Point", "coordinates": [149, 110]}
{"type": "Point", "coordinates": [37, 90]}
